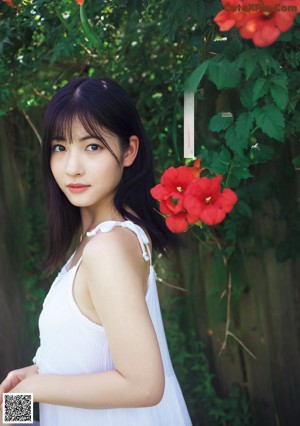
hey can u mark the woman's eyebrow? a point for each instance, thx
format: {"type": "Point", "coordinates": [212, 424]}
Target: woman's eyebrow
{"type": "Point", "coordinates": [82, 139]}
{"type": "Point", "coordinates": [57, 138]}
{"type": "Point", "coordinates": [87, 137]}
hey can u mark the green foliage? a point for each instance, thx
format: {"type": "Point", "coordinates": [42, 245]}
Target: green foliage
{"type": "Point", "coordinates": [218, 122]}
{"type": "Point", "coordinates": [223, 73]}
{"type": "Point", "coordinates": [270, 120]}
{"type": "Point", "coordinates": [190, 359]}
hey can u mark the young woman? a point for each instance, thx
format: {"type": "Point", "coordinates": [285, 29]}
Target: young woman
{"type": "Point", "coordinates": [103, 357]}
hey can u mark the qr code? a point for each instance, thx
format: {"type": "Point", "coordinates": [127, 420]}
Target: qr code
{"type": "Point", "coordinates": [17, 408]}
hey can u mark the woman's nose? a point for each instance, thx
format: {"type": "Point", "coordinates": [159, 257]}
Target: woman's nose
{"type": "Point", "coordinates": [74, 166]}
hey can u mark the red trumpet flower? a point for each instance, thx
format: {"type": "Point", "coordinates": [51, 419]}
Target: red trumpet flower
{"type": "Point", "coordinates": [186, 198]}
{"type": "Point", "coordinates": [205, 199]}
{"type": "Point", "coordinates": [262, 21]}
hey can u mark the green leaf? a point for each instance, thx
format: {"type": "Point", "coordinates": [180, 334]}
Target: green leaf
{"type": "Point", "coordinates": [220, 122]}
{"type": "Point", "coordinates": [220, 161]}
{"type": "Point", "coordinates": [235, 142]}
{"type": "Point", "coordinates": [192, 82]}
{"type": "Point", "coordinates": [260, 153]}
{"type": "Point", "coordinates": [267, 62]}
{"type": "Point", "coordinates": [247, 95]}
{"type": "Point", "coordinates": [279, 90]}
{"type": "Point", "coordinates": [240, 168]}
{"type": "Point", "coordinates": [244, 125]}
{"type": "Point", "coordinates": [271, 121]}
{"type": "Point", "coordinates": [233, 48]}
{"type": "Point", "coordinates": [280, 96]}
{"type": "Point", "coordinates": [248, 60]}
{"type": "Point", "coordinates": [224, 74]}
{"type": "Point", "coordinates": [260, 88]}
{"type": "Point", "coordinates": [89, 31]}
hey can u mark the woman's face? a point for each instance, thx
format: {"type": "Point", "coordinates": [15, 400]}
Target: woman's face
{"type": "Point", "coordinates": [85, 170]}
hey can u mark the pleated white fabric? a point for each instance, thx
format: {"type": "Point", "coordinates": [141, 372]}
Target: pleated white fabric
{"type": "Point", "coordinates": [70, 343]}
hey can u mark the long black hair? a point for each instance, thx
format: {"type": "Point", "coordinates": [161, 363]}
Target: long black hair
{"type": "Point", "coordinates": [100, 103]}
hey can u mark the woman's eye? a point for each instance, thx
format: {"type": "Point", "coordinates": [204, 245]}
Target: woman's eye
{"type": "Point", "coordinates": [58, 148]}
{"type": "Point", "coordinates": [93, 147]}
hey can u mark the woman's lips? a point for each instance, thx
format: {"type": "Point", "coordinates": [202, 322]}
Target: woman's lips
{"type": "Point", "coordinates": [77, 187]}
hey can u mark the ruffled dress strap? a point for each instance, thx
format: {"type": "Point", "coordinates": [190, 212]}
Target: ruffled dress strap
{"type": "Point", "coordinates": [140, 233]}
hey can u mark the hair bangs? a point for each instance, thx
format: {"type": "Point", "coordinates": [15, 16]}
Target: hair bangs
{"type": "Point", "coordinates": [59, 124]}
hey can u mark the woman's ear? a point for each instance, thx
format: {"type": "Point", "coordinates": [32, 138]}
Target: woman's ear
{"type": "Point", "coordinates": [131, 151]}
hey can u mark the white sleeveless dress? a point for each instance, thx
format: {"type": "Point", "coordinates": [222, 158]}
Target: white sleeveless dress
{"type": "Point", "coordinates": [70, 344]}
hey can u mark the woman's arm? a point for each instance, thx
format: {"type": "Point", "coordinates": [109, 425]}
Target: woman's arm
{"type": "Point", "coordinates": [112, 266]}
{"type": "Point", "coordinates": [102, 390]}
{"type": "Point", "coordinates": [16, 376]}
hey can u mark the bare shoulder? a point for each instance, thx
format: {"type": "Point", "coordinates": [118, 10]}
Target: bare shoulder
{"type": "Point", "coordinates": [117, 244]}
{"type": "Point", "coordinates": [115, 259]}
